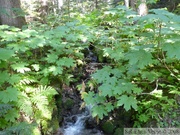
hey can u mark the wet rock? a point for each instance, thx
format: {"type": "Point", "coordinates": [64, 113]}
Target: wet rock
{"type": "Point", "coordinates": [119, 131]}
{"type": "Point", "coordinates": [108, 127]}
{"type": "Point", "coordinates": [90, 123]}
{"type": "Point", "coordinates": [74, 119]}
{"type": "Point", "coordinates": [91, 132]}
{"type": "Point", "coordinates": [68, 103]}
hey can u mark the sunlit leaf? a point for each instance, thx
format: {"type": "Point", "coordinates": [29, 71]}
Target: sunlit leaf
{"type": "Point", "coordinates": [21, 67]}
{"type": "Point", "coordinates": [36, 67]}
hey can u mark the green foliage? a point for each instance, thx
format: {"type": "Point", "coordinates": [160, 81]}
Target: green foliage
{"type": "Point", "coordinates": [30, 61]}
{"type": "Point", "coordinates": [142, 54]}
{"type": "Point", "coordinates": [140, 72]}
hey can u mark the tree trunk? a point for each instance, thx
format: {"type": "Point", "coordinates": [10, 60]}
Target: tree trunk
{"type": "Point", "coordinates": [96, 4]}
{"type": "Point", "coordinates": [133, 4]}
{"type": "Point", "coordinates": [11, 13]}
{"type": "Point", "coordinates": [126, 2]}
{"type": "Point", "coordinates": [142, 8]}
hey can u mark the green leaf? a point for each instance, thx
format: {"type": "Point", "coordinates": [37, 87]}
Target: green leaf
{"type": "Point", "coordinates": [133, 70]}
{"type": "Point", "coordinates": [21, 67]}
{"type": "Point", "coordinates": [89, 97]}
{"type": "Point", "coordinates": [18, 47]}
{"type": "Point", "coordinates": [36, 67]}
{"type": "Point", "coordinates": [140, 58]}
{"type": "Point", "coordinates": [5, 54]}
{"type": "Point", "coordinates": [4, 77]}
{"type": "Point", "coordinates": [27, 33]}
{"type": "Point", "coordinates": [12, 115]}
{"type": "Point", "coordinates": [9, 36]}
{"type": "Point", "coordinates": [56, 70]}
{"type": "Point", "coordinates": [137, 90]}
{"type": "Point", "coordinates": [61, 30]}
{"type": "Point", "coordinates": [51, 58]}
{"type": "Point", "coordinates": [9, 95]}
{"type": "Point", "coordinates": [25, 104]}
{"type": "Point", "coordinates": [172, 50]}
{"type": "Point", "coordinates": [109, 107]}
{"type": "Point", "coordinates": [106, 90]}
{"type": "Point", "coordinates": [44, 81]}
{"type": "Point", "coordinates": [4, 108]}
{"type": "Point", "coordinates": [36, 42]}
{"type": "Point", "coordinates": [117, 90]}
{"type": "Point", "coordinates": [112, 80]}
{"type": "Point", "coordinates": [102, 74]}
{"type": "Point", "coordinates": [99, 111]}
{"type": "Point", "coordinates": [39, 100]}
{"type": "Point", "coordinates": [72, 37]}
{"type": "Point", "coordinates": [14, 79]}
{"type": "Point", "coordinates": [126, 87]}
{"type": "Point", "coordinates": [128, 102]}
{"type": "Point", "coordinates": [115, 54]}
{"type": "Point", "coordinates": [151, 76]}
{"type": "Point", "coordinates": [67, 62]}
{"type": "Point", "coordinates": [47, 91]}
{"type": "Point", "coordinates": [143, 118]}
{"type": "Point", "coordinates": [123, 87]}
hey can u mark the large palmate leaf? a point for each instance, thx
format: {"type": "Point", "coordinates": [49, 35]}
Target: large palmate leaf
{"type": "Point", "coordinates": [140, 58]}
{"type": "Point", "coordinates": [172, 50]}
{"type": "Point", "coordinates": [128, 102]}
{"type": "Point", "coordinates": [21, 67]}
{"type": "Point", "coordinates": [99, 111]}
{"type": "Point", "coordinates": [5, 54]}
{"type": "Point", "coordinates": [9, 95]}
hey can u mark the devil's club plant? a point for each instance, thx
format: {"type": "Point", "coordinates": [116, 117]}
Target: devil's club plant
{"type": "Point", "coordinates": [143, 71]}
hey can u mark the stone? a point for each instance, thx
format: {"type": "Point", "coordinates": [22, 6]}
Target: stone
{"type": "Point", "coordinates": [119, 131]}
{"type": "Point", "coordinates": [108, 127]}
{"type": "Point", "coordinates": [68, 103]}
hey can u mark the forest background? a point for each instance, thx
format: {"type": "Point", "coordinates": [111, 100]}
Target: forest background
{"type": "Point", "coordinates": [124, 65]}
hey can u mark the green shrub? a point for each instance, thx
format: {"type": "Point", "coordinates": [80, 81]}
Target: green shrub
{"type": "Point", "coordinates": [142, 71]}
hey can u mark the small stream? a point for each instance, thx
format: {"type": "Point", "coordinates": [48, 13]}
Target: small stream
{"type": "Point", "coordinates": [76, 124]}
{"type": "Point", "coordinates": [80, 122]}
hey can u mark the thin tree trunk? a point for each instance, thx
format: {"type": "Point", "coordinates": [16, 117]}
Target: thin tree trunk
{"type": "Point", "coordinates": [133, 4]}
{"type": "Point", "coordinates": [96, 4]}
{"type": "Point", "coordinates": [142, 8]}
{"type": "Point", "coordinates": [10, 11]}
{"type": "Point", "coordinates": [126, 2]}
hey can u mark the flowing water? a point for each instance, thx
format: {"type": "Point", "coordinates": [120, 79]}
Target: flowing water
{"type": "Point", "coordinates": [76, 125]}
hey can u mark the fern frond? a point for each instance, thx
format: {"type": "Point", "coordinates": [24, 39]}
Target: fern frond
{"type": "Point", "coordinates": [25, 104]}
{"type": "Point", "coordinates": [23, 128]}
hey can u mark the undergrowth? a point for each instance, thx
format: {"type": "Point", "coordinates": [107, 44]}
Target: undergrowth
{"type": "Point", "coordinates": [141, 72]}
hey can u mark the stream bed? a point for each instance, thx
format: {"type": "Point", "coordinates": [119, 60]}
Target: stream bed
{"type": "Point", "coordinates": [76, 121]}
{"type": "Point", "coordinates": [76, 124]}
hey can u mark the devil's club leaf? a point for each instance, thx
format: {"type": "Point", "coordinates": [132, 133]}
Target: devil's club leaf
{"type": "Point", "coordinates": [99, 111]}
{"type": "Point", "coordinates": [172, 50]}
{"type": "Point", "coordinates": [5, 54]}
{"type": "Point", "coordinates": [9, 95]}
{"type": "Point", "coordinates": [128, 102]}
{"type": "Point", "coordinates": [140, 58]}
{"type": "Point", "coordinates": [106, 90]}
